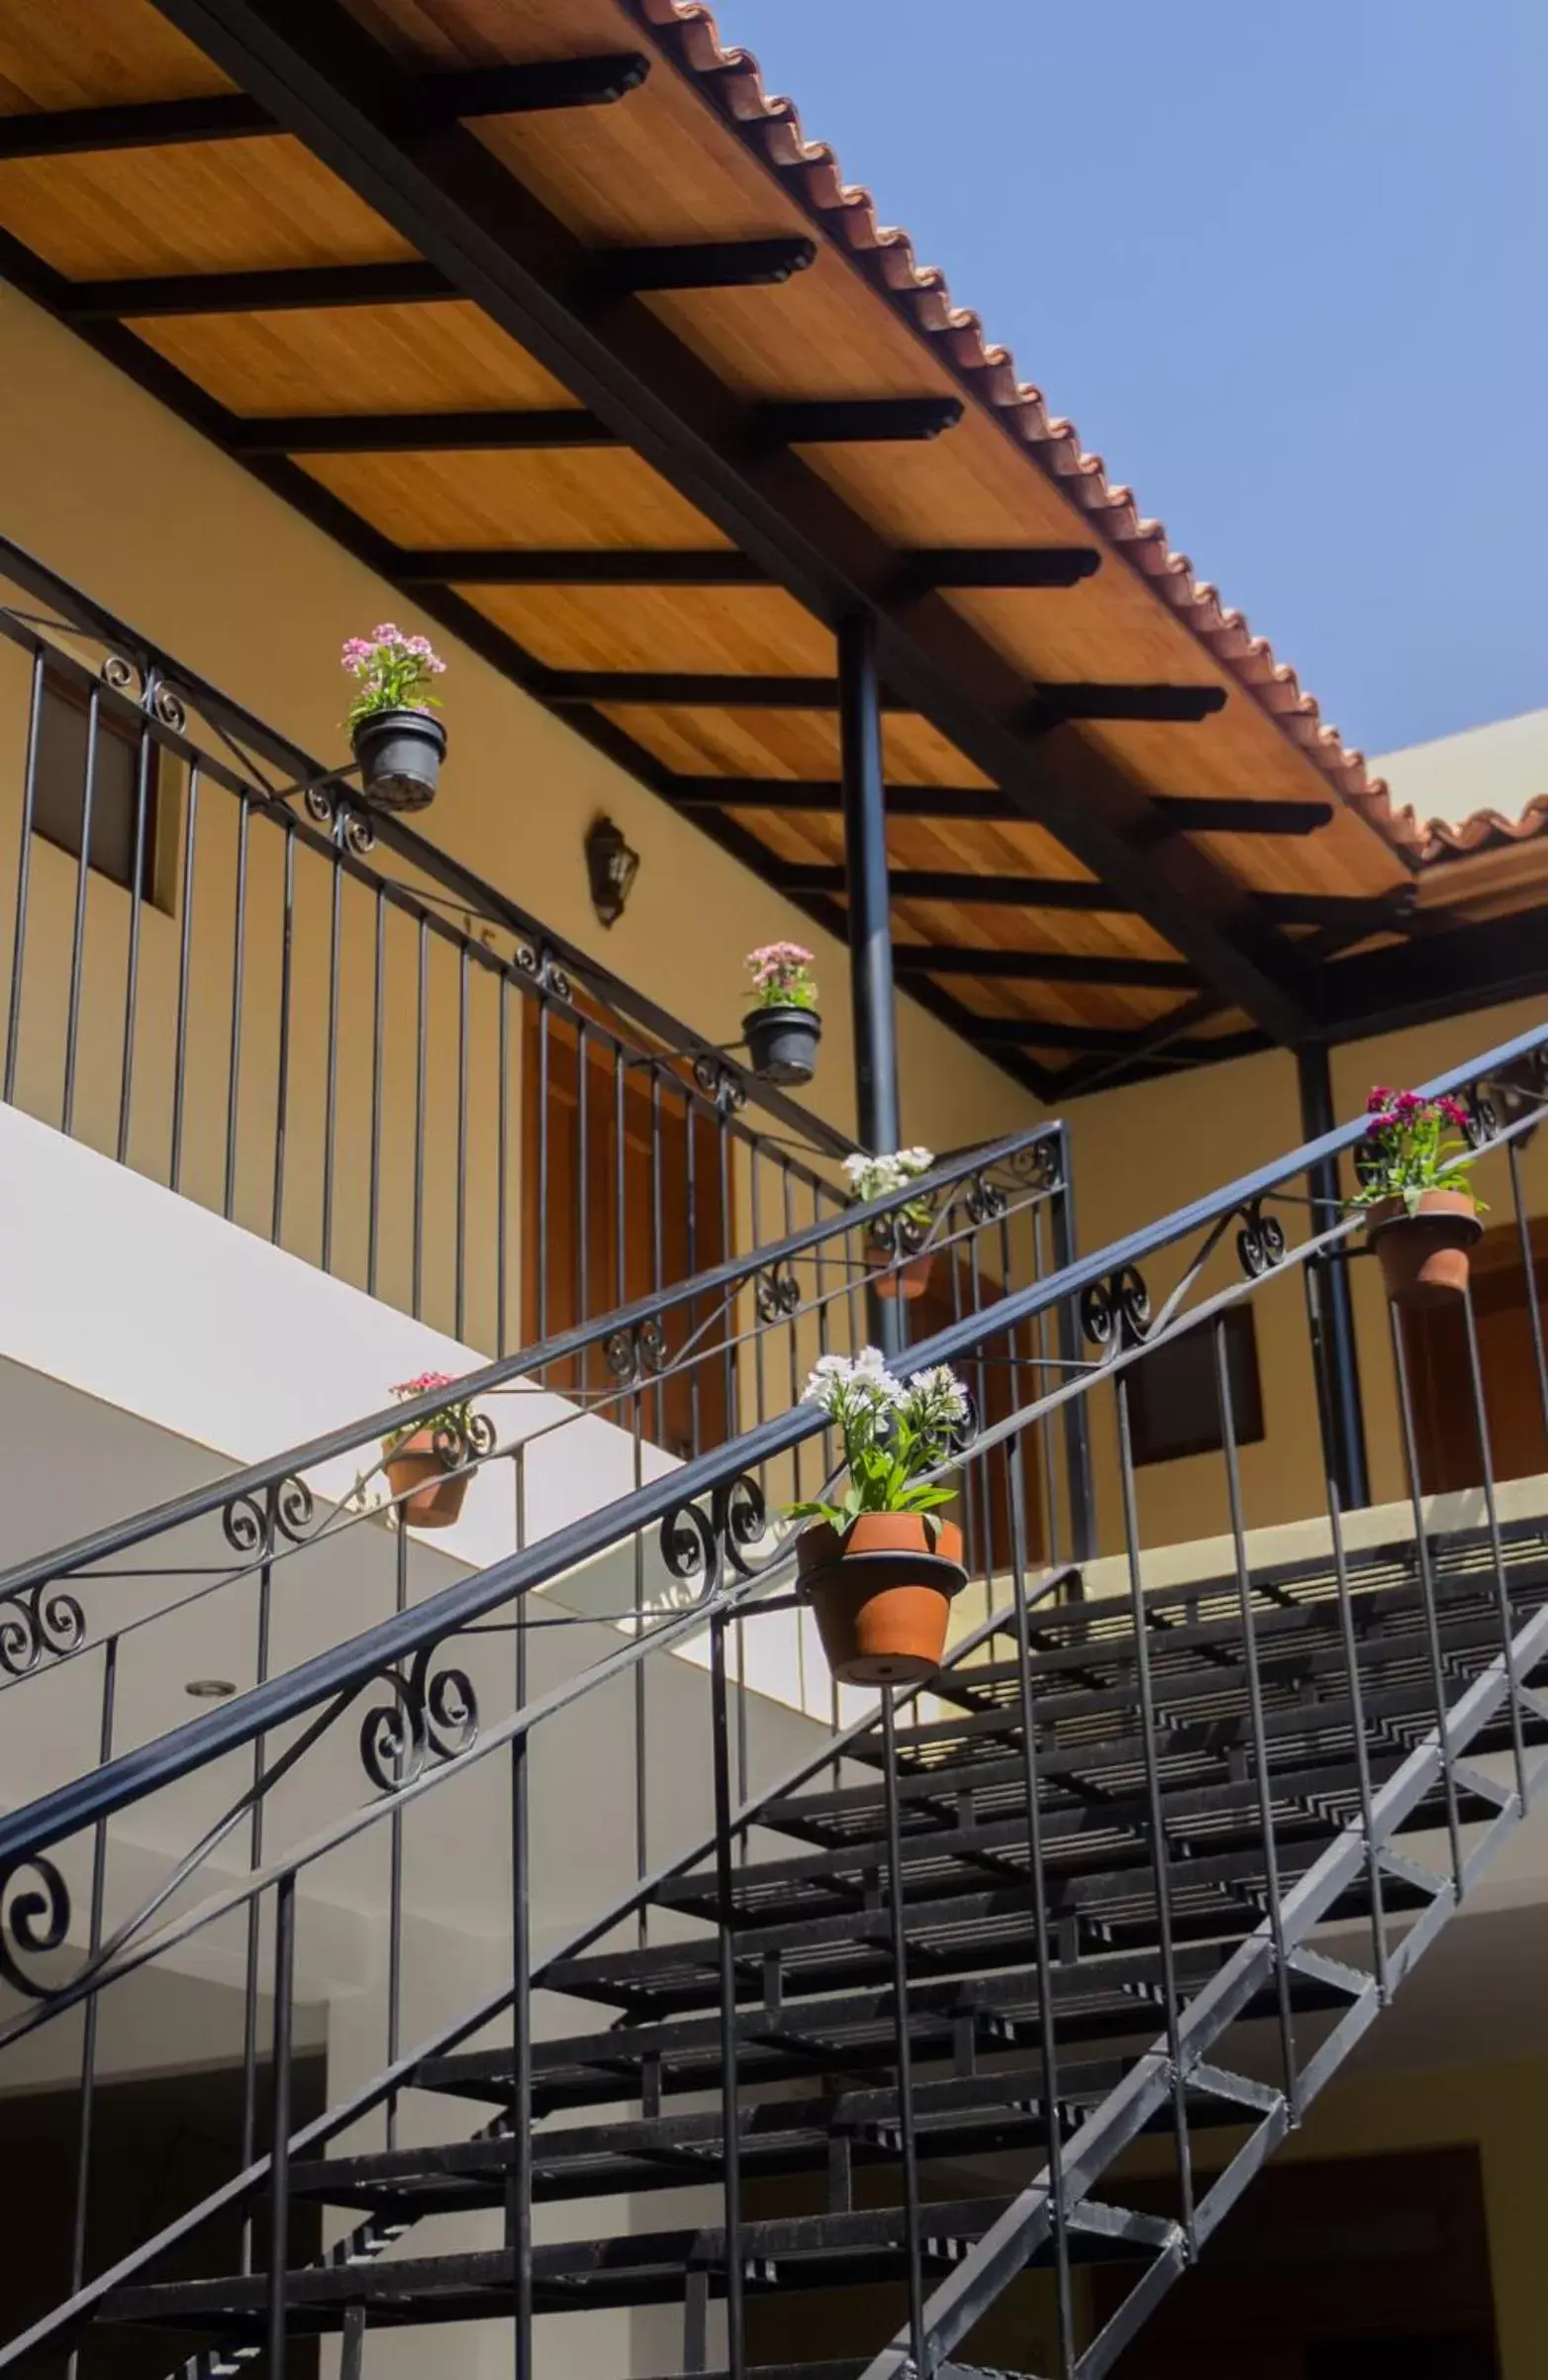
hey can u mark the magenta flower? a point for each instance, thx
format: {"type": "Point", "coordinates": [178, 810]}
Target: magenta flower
{"type": "Point", "coordinates": [392, 672]}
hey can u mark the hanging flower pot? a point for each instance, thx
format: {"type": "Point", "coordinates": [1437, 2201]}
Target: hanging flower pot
{"type": "Point", "coordinates": [782, 1043]}
{"type": "Point", "coordinates": [881, 1590]}
{"type": "Point", "coordinates": [427, 1468]}
{"type": "Point", "coordinates": [1420, 1216]}
{"type": "Point", "coordinates": [1424, 1255]}
{"type": "Point", "coordinates": [398, 745]}
{"type": "Point", "coordinates": [400, 755]}
{"type": "Point", "coordinates": [880, 1566]}
{"type": "Point", "coordinates": [783, 1031]}
{"type": "Point", "coordinates": [894, 1276]}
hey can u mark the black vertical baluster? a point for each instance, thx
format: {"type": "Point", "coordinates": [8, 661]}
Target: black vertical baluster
{"type": "Point", "coordinates": [249, 2028]}
{"type": "Point", "coordinates": [691, 1266]}
{"type": "Point", "coordinates": [730, 1429]}
{"type": "Point", "coordinates": [583, 1191]}
{"type": "Point", "coordinates": [542, 1170]}
{"type": "Point", "coordinates": [786, 1223]}
{"type": "Point", "coordinates": [983, 1364]}
{"type": "Point", "coordinates": [1421, 1555]}
{"type": "Point", "coordinates": [395, 1852]}
{"type": "Point", "coordinates": [641, 1765]}
{"type": "Point", "coordinates": [1533, 1303]}
{"type": "Point", "coordinates": [82, 885]}
{"type": "Point", "coordinates": [502, 1164]}
{"type": "Point", "coordinates": [1497, 1551]}
{"type": "Point", "coordinates": [184, 971]}
{"type": "Point", "coordinates": [88, 2055]}
{"type": "Point", "coordinates": [1255, 1716]}
{"type": "Point", "coordinates": [136, 897]}
{"type": "Point", "coordinates": [1077, 1444]}
{"type": "Point", "coordinates": [1048, 2044]}
{"type": "Point", "coordinates": [1045, 1378]}
{"type": "Point", "coordinates": [374, 1186]}
{"type": "Point", "coordinates": [282, 1083]}
{"type": "Point", "coordinates": [24, 872]}
{"type": "Point", "coordinates": [897, 1917]}
{"type": "Point", "coordinates": [331, 1077]}
{"type": "Point", "coordinates": [518, 2197]}
{"type": "Point", "coordinates": [657, 1244]}
{"type": "Point", "coordinates": [1346, 1629]}
{"type": "Point", "coordinates": [460, 1295]}
{"type": "Point", "coordinates": [725, 1909]}
{"type": "Point", "coordinates": [619, 1178]}
{"type": "Point", "coordinates": [351, 2347]}
{"type": "Point", "coordinates": [1155, 1808]}
{"type": "Point", "coordinates": [279, 2142]}
{"type": "Point", "coordinates": [238, 944]}
{"type": "Point", "coordinates": [422, 1029]}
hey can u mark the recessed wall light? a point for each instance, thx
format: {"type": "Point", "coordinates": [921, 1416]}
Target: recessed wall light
{"type": "Point", "coordinates": [209, 1689]}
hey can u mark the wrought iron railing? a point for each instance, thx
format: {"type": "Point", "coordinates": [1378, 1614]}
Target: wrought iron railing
{"type": "Point", "coordinates": [319, 1024]}
{"type": "Point", "coordinates": [1105, 1851]}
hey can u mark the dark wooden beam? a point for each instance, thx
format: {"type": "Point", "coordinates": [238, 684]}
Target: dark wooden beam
{"type": "Point", "coordinates": [850, 421]}
{"type": "Point", "coordinates": [1349, 913]}
{"type": "Point", "coordinates": [729, 691]}
{"type": "Point", "coordinates": [440, 99]}
{"type": "Point", "coordinates": [1452, 971]}
{"type": "Point", "coordinates": [1240, 813]}
{"type": "Point", "coordinates": [1054, 705]}
{"type": "Point", "coordinates": [341, 89]}
{"type": "Point", "coordinates": [1042, 966]}
{"type": "Point", "coordinates": [419, 432]}
{"type": "Point", "coordinates": [942, 884]}
{"type": "Point", "coordinates": [703, 264]}
{"type": "Point", "coordinates": [968, 566]}
{"type": "Point", "coordinates": [699, 265]}
{"type": "Point", "coordinates": [146, 123]}
{"type": "Point", "coordinates": [329, 285]}
{"type": "Point", "coordinates": [819, 796]}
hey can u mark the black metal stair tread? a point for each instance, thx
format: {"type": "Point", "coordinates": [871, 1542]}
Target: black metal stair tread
{"type": "Point", "coordinates": [1106, 1999]}
{"type": "Point", "coordinates": [623, 2269]}
{"type": "Point", "coordinates": [955, 2116]}
{"type": "Point", "coordinates": [1087, 1838]}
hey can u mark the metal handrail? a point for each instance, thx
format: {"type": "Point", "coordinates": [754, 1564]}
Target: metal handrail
{"type": "Point", "coordinates": [735, 1273]}
{"type": "Point", "coordinates": [345, 1668]}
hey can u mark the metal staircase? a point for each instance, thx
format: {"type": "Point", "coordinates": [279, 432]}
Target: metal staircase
{"type": "Point", "coordinates": [956, 1986]}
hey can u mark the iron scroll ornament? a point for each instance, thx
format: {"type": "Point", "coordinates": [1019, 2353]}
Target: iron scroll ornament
{"type": "Point", "coordinates": [35, 1918]}
{"type": "Point", "coordinates": [42, 1620]}
{"type": "Point", "coordinates": [1116, 1311]}
{"type": "Point", "coordinates": [433, 1715]}
{"type": "Point", "coordinates": [700, 1548]}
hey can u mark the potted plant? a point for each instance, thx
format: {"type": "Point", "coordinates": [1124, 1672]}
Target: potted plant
{"type": "Point", "coordinates": [427, 1461]}
{"type": "Point", "coordinates": [880, 1566]}
{"type": "Point", "coordinates": [783, 1027]}
{"type": "Point", "coordinates": [1420, 1215]}
{"type": "Point", "coordinates": [398, 745]}
{"type": "Point", "coordinates": [895, 1246]}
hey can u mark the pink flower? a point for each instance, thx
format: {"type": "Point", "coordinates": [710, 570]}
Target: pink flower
{"type": "Point", "coordinates": [421, 1384]}
{"type": "Point", "coordinates": [1454, 1112]}
{"type": "Point", "coordinates": [1377, 1099]}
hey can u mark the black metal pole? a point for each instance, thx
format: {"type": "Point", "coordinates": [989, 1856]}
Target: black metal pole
{"type": "Point", "coordinates": [1333, 1351]}
{"type": "Point", "coordinates": [878, 1123]}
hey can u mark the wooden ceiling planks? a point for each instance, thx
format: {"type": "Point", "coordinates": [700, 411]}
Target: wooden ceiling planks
{"type": "Point", "coordinates": [446, 357]}
{"type": "Point", "coordinates": [743, 628]}
{"type": "Point", "coordinates": [69, 54]}
{"type": "Point", "coordinates": [594, 497]}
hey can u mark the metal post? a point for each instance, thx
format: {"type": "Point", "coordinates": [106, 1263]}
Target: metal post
{"type": "Point", "coordinates": [1334, 1354]}
{"type": "Point", "coordinates": [878, 1122]}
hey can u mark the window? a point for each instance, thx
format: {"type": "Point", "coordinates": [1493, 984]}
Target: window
{"type": "Point", "coordinates": [59, 785]}
{"type": "Point", "coordinates": [1174, 1401]}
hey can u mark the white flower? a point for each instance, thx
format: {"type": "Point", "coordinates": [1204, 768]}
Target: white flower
{"type": "Point", "coordinates": [841, 1383]}
{"type": "Point", "coordinates": [875, 1176]}
{"type": "Point", "coordinates": [937, 1395]}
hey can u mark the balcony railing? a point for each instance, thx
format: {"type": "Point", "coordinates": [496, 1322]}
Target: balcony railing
{"type": "Point", "coordinates": [327, 1030]}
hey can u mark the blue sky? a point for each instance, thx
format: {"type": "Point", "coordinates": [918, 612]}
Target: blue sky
{"type": "Point", "coordinates": [1283, 265]}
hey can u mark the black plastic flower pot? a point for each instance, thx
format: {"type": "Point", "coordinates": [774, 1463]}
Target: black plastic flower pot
{"type": "Point", "coordinates": [400, 755]}
{"type": "Point", "coordinates": [782, 1043]}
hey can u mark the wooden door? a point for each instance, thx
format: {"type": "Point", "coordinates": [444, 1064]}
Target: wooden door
{"type": "Point", "coordinates": [624, 1194]}
{"type": "Point", "coordinates": [1435, 1345]}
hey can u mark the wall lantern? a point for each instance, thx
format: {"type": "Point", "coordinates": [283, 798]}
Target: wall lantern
{"type": "Point", "coordinates": [611, 869]}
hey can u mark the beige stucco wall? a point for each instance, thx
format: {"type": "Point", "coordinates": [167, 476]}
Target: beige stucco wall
{"type": "Point", "coordinates": [109, 489]}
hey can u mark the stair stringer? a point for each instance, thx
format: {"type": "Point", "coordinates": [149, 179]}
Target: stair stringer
{"type": "Point", "coordinates": [1027, 2222]}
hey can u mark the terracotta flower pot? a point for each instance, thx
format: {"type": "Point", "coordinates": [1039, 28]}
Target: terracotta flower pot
{"type": "Point", "coordinates": [431, 1495]}
{"type": "Point", "coordinates": [1424, 1255]}
{"type": "Point", "coordinates": [908, 1279]}
{"type": "Point", "coordinates": [782, 1043]}
{"type": "Point", "coordinates": [400, 755]}
{"type": "Point", "coordinates": [882, 1593]}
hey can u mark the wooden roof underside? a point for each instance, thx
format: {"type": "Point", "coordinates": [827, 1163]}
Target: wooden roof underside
{"type": "Point", "coordinates": [601, 483]}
